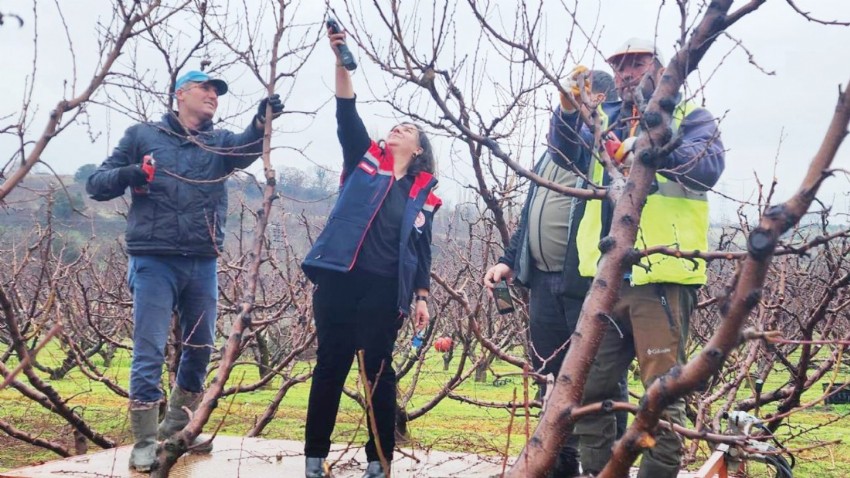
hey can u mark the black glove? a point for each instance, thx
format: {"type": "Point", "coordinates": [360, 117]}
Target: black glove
{"type": "Point", "coordinates": [277, 107]}
{"type": "Point", "coordinates": [132, 175]}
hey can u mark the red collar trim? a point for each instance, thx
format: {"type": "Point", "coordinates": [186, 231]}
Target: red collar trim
{"type": "Point", "coordinates": [384, 156]}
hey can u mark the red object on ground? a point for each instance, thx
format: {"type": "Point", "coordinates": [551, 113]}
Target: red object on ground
{"type": "Point", "coordinates": [443, 344]}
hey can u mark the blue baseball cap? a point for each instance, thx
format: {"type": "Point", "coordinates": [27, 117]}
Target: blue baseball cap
{"type": "Point", "coordinates": [196, 76]}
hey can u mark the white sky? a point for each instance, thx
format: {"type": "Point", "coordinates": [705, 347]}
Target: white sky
{"type": "Point", "coordinates": [810, 61]}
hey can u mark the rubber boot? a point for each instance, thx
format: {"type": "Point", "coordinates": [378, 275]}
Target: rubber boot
{"type": "Point", "coordinates": [315, 468]}
{"type": "Point", "coordinates": [176, 418]}
{"type": "Point", "coordinates": [143, 422]}
{"type": "Point", "coordinates": [374, 470]}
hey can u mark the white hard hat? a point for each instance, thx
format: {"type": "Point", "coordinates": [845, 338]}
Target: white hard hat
{"type": "Point", "coordinates": [636, 46]}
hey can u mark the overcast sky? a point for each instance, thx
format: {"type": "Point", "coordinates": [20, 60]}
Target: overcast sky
{"type": "Point", "coordinates": [768, 121]}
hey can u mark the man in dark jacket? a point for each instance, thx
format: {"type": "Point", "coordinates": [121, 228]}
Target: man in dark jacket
{"type": "Point", "coordinates": [175, 232]}
{"type": "Point", "coordinates": [542, 256]}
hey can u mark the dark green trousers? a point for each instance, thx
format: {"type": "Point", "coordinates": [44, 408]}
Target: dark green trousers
{"type": "Point", "coordinates": [652, 325]}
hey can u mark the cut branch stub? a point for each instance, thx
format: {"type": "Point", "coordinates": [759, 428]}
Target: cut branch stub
{"type": "Point", "coordinates": [761, 244]}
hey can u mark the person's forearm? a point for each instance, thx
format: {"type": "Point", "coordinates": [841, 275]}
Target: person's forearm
{"type": "Point", "coordinates": [700, 158]}
{"type": "Point", "coordinates": [344, 88]}
{"type": "Point", "coordinates": [104, 185]}
{"type": "Point", "coordinates": [565, 141]}
{"type": "Point", "coordinates": [509, 256]}
{"type": "Point", "coordinates": [243, 148]}
{"type": "Point", "coordinates": [422, 292]}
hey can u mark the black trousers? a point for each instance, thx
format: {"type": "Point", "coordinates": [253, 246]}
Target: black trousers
{"type": "Point", "coordinates": [553, 319]}
{"type": "Point", "coordinates": [353, 311]}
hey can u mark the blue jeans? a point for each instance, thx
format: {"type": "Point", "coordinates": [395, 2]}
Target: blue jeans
{"type": "Point", "coordinates": [160, 286]}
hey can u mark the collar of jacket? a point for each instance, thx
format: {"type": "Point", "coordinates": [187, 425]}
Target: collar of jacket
{"type": "Point", "coordinates": [381, 157]}
{"type": "Point", "coordinates": [423, 180]}
{"type": "Point", "coordinates": [384, 160]}
{"type": "Point", "coordinates": [173, 123]}
{"type": "Point", "coordinates": [620, 104]}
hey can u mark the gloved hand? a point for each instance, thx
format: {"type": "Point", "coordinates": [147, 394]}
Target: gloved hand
{"type": "Point", "coordinates": [277, 107]}
{"type": "Point", "coordinates": [132, 175]}
{"type": "Point", "coordinates": [570, 85]}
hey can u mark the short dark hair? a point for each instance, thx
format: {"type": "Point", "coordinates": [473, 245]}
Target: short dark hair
{"type": "Point", "coordinates": [601, 82]}
{"type": "Point", "coordinates": [423, 161]}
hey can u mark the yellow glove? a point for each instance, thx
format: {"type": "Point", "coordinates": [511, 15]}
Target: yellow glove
{"type": "Point", "coordinates": [570, 84]}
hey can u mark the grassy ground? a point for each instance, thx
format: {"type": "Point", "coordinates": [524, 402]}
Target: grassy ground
{"type": "Point", "coordinates": [452, 425]}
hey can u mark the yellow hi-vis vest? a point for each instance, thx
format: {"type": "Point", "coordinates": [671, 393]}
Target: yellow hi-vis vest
{"type": "Point", "coordinates": [673, 216]}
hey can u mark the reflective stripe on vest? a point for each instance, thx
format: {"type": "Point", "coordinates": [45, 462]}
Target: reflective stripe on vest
{"type": "Point", "coordinates": [590, 226]}
{"type": "Point", "coordinates": [673, 216]}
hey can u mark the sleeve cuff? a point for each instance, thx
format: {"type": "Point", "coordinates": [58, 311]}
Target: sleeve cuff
{"type": "Point", "coordinates": [258, 132]}
{"type": "Point", "coordinates": [420, 284]}
{"type": "Point", "coordinates": [565, 114]}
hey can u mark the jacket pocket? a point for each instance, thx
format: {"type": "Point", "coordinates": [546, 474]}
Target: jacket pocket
{"type": "Point", "coordinates": [665, 304]}
{"type": "Point", "coordinates": [140, 219]}
{"type": "Point", "coordinates": [338, 243]}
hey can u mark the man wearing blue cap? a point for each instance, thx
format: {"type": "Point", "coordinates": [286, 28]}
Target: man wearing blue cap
{"type": "Point", "coordinates": [175, 231]}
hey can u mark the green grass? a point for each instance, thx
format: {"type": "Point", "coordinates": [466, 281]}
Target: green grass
{"type": "Point", "coordinates": [452, 425]}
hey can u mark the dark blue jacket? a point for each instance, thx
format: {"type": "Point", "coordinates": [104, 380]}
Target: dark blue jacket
{"type": "Point", "coordinates": [364, 185]}
{"type": "Point", "coordinates": [177, 216]}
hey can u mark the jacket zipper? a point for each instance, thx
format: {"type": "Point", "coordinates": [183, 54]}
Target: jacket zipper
{"type": "Point", "coordinates": [401, 243]}
{"type": "Point", "coordinates": [570, 216]}
{"type": "Point", "coordinates": [369, 224]}
{"type": "Point", "coordinates": [427, 191]}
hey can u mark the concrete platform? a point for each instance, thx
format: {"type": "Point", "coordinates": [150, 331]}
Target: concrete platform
{"type": "Point", "coordinates": [260, 458]}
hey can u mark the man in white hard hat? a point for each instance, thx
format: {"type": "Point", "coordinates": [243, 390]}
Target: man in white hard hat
{"type": "Point", "coordinates": [635, 59]}
{"type": "Point", "coordinates": [651, 317]}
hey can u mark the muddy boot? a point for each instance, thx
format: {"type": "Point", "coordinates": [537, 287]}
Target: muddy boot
{"type": "Point", "coordinates": [176, 418]}
{"type": "Point", "coordinates": [143, 419]}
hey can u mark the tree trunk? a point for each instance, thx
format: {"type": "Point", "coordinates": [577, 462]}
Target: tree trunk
{"type": "Point", "coordinates": [402, 434]}
{"type": "Point", "coordinates": [481, 371]}
{"type": "Point", "coordinates": [447, 358]}
{"type": "Point", "coordinates": [263, 356]}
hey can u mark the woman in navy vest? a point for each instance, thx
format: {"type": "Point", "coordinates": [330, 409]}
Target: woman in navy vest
{"type": "Point", "coordinates": [377, 240]}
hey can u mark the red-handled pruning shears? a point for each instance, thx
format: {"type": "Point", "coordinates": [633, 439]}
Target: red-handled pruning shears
{"type": "Point", "coordinates": [149, 168]}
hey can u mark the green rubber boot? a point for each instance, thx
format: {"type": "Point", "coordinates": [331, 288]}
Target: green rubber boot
{"type": "Point", "coordinates": [143, 421]}
{"type": "Point", "coordinates": [176, 418]}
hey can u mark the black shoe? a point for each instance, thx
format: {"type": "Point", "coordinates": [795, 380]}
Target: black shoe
{"type": "Point", "coordinates": [566, 465]}
{"type": "Point", "coordinates": [314, 467]}
{"type": "Point", "coordinates": [374, 470]}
